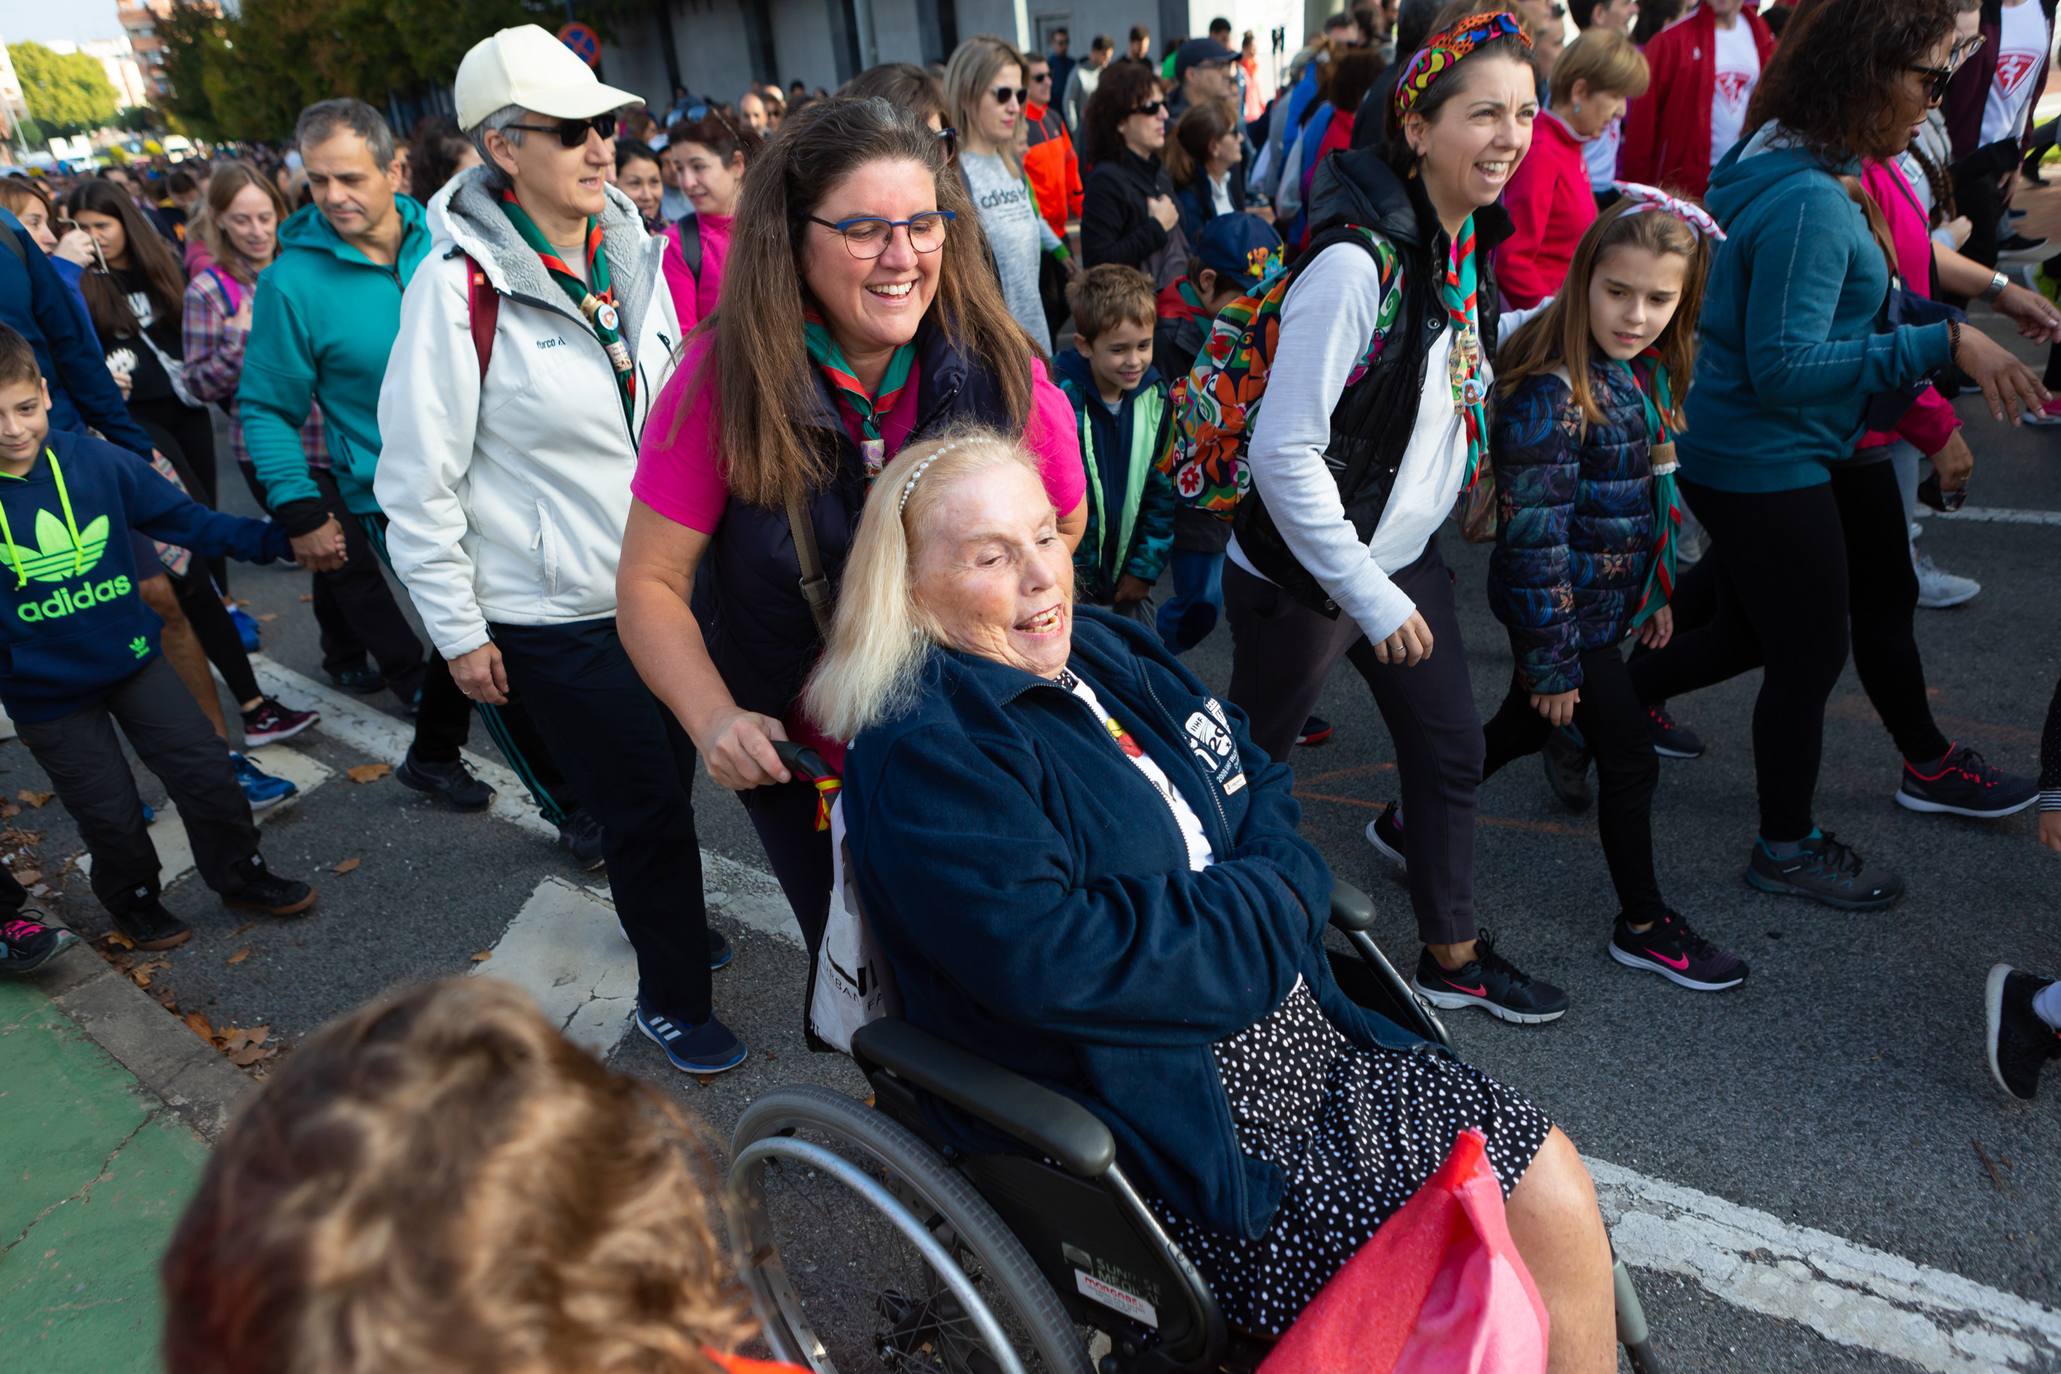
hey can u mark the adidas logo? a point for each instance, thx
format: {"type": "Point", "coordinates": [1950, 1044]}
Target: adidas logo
{"type": "Point", "coordinates": [68, 600]}
{"type": "Point", "coordinates": [55, 558]}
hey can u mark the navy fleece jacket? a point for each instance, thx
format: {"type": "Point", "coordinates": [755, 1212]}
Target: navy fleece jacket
{"type": "Point", "coordinates": [73, 624]}
{"type": "Point", "coordinates": [1793, 338]}
{"type": "Point", "coordinates": [1033, 895]}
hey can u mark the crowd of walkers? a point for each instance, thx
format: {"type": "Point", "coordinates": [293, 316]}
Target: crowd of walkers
{"type": "Point", "coordinates": [878, 421]}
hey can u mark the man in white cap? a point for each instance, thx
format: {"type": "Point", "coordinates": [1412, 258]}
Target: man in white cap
{"type": "Point", "coordinates": [507, 477]}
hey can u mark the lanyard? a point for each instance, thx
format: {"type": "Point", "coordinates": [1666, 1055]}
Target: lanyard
{"type": "Point", "coordinates": [71, 525]}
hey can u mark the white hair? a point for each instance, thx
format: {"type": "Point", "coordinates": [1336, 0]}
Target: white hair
{"type": "Point", "coordinates": [499, 121]}
{"type": "Point", "coordinates": [880, 636]}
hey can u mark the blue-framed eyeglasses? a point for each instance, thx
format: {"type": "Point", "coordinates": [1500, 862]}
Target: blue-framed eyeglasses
{"type": "Point", "coordinates": [866, 236]}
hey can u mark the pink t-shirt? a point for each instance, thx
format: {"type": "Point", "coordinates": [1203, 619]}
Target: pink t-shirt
{"type": "Point", "coordinates": [680, 476]}
{"type": "Point", "coordinates": [694, 297]}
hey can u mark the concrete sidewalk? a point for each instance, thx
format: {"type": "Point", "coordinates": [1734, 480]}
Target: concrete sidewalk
{"type": "Point", "coordinates": [94, 1171]}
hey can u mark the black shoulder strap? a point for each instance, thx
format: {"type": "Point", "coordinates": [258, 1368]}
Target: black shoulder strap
{"type": "Point", "coordinates": [690, 244]}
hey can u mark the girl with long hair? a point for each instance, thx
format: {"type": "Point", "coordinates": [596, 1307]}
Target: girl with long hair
{"type": "Point", "coordinates": [856, 318]}
{"type": "Point", "coordinates": [1202, 160]}
{"type": "Point", "coordinates": [1585, 549]}
{"type": "Point", "coordinates": [985, 90]}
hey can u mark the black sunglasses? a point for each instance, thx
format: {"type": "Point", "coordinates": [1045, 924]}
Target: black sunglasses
{"type": "Point", "coordinates": [1936, 81]}
{"type": "Point", "coordinates": [1150, 107]}
{"type": "Point", "coordinates": [1010, 95]}
{"type": "Point", "coordinates": [571, 132]}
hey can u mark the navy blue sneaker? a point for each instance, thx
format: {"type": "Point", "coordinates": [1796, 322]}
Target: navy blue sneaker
{"type": "Point", "coordinates": [706, 1048]}
{"type": "Point", "coordinates": [719, 952]}
{"type": "Point", "coordinates": [260, 788]}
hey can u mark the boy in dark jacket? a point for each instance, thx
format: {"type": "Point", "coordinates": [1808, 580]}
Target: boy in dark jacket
{"type": "Point", "coordinates": [1126, 427]}
{"type": "Point", "coordinates": [79, 653]}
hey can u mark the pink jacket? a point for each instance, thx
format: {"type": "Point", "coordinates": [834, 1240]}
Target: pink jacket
{"type": "Point", "coordinates": [1932, 421]}
{"type": "Point", "coordinates": [694, 297]}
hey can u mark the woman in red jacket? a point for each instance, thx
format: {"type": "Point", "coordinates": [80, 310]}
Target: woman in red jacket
{"type": "Point", "coordinates": [1550, 201]}
{"type": "Point", "coordinates": [1705, 68]}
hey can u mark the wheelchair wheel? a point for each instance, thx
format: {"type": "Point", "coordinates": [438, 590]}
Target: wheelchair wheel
{"type": "Point", "coordinates": [942, 1288]}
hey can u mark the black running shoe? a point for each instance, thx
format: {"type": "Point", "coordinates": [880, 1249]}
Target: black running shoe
{"type": "Point", "coordinates": [26, 944]}
{"type": "Point", "coordinates": [579, 835]}
{"type": "Point", "coordinates": [1385, 833]}
{"type": "Point", "coordinates": [703, 1049]}
{"type": "Point", "coordinates": [1491, 982]}
{"type": "Point", "coordinates": [268, 723]}
{"type": "Point", "coordinates": [2018, 1041]}
{"type": "Point", "coordinates": [1671, 738]}
{"type": "Point", "coordinates": [259, 889]}
{"type": "Point", "coordinates": [1566, 756]}
{"type": "Point", "coordinates": [362, 680]}
{"type": "Point", "coordinates": [1965, 784]}
{"type": "Point", "coordinates": [451, 783]}
{"type": "Point", "coordinates": [1826, 871]}
{"type": "Point", "coordinates": [1677, 953]}
{"type": "Point", "coordinates": [143, 918]}
{"type": "Point", "coordinates": [1314, 732]}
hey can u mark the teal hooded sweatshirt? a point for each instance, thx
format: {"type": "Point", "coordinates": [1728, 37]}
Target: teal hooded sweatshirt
{"type": "Point", "coordinates": [1793, 336]}
{"type": "Point", "coordinates": [322, 324]}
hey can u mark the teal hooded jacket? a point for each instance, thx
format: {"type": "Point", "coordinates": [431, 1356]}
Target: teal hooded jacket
{"type": "Point", "coordinates": [323, 321]}
{"type": "Point", "coordinates": [1793, 336]}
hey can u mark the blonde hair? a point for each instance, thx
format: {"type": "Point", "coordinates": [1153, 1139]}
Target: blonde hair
{"type": "Point", "coordinates": [441, 1182]}
{"type": "Point", "coordinates": [880, 636]}
{"type": "Point", "coordinates": [967, 77]}
{"type": "Point", "coordinates": [1605, 58]}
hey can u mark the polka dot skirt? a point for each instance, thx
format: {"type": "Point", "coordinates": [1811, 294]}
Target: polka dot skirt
{"type": "Point", "coordinates": [1357, 1131]}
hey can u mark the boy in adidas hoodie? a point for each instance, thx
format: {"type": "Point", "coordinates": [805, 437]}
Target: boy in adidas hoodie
{"type": "Point", "coordinates": [79, 653]}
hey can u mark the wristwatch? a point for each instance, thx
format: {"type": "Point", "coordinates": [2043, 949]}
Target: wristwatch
{"type": "Point", "coordinates": [1997, 284]}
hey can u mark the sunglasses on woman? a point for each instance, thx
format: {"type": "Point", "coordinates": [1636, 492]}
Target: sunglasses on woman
{"type": "Point", "coordinates": [571, 132]}
{"type": "Point", "coordinates": [1937, 79]}
{"type": "Point", "coordinates": [1010, 95]}
{"type": "Point", "coordinates": [1150, 107]}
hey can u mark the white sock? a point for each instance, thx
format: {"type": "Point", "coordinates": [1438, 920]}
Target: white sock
{"type": "Point", "coordinates": [2046, 1004]}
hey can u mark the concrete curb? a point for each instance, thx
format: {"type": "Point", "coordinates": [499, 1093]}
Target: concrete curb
{"type": "Point", "coordinates": [194, 1081]}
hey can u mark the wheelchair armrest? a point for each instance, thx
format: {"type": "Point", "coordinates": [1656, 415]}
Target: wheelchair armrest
{"type": "Point", "coordinates": [1351, 909]}
{"type": "Point", "coordinates": [1057, 1127]}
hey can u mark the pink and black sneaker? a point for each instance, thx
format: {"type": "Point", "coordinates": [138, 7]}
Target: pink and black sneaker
{"type": "Point", "coordinates": [26, 944]}
{"type": "Point", "coordinates": [1963, 783]}
{"type": "Point", "coordinates": [1493, 984]}
{"type": "Point", "coordinates": [1677, 953]}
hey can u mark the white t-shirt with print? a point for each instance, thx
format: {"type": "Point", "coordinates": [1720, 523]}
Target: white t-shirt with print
{"type": "Point", "coordinates": [1200, 854]}
{"type": "Point", "coordinates": [1738, 72]}
{"type": "Point", "coordinates": [2019, 54]}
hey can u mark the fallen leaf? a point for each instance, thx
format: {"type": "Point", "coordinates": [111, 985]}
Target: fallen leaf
{"type": "Point", "coordinates": [166, 999]}
{"type": "Point", "coordinates": [239, 956]}
{"type": "Point", "coordinates": [28, 876]}
{"type": "Point", "coordinates": [142, 979]}
{"type": "Point", "coordinates": [365, 772]}
{"type": "Point", "coordinates": [268, 617]}
{"type": "Point", "coordinates": [307, 596]}
{"type": "Point", "coordinates": [117, 940]}
{"type": "Point", "coordinates": [347, 866]}
{"type": "Point", "coordinates": [247, 925]}
{"type": "Point", "coordinates": [9, 811]}
{"type": "Point", "coordinates": [238, 1037]}
{"type": "Point", "coordinates": [35, 798]}
{"type": "Point", "coordinates": [482, 956]}
{"type": "Point", "coordinates": [251, 1054]}
{"type": "Point", "coordinates": [198, 1024]}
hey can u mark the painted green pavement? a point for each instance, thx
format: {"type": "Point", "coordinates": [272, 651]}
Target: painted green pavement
{"type": "Point", "coordinates": [93, 1174]}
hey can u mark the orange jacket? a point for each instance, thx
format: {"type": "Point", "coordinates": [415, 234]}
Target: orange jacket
{"type": "Point", "coordinates": [1054, 172]}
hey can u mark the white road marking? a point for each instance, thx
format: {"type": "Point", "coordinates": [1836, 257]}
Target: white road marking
{"type": "Point", "coordinates": [565, 947]}
{"type": "Point", "coordinates": [1994, 515]}
{"type": "Point", "coordinates": [175, 853]}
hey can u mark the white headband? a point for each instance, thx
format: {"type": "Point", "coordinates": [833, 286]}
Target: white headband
{"type": "Point", "coordinates": [1648, 198]}
{"type": "Point", "coordinates": [921, 468]}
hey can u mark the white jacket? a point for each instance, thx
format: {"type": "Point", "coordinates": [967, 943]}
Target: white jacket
{"type": "Point", "coordinates": [507, 498]}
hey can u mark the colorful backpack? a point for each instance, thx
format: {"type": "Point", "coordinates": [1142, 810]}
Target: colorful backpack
{"type": "Point", "coordinates": [1217, 404]}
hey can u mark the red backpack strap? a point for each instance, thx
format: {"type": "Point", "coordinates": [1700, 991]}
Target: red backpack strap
{"type": "Point", "coordinates": [483, 309]}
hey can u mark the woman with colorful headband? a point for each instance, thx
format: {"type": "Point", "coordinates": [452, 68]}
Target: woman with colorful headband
{"type": "Point", "coordinates": [1375, 423]}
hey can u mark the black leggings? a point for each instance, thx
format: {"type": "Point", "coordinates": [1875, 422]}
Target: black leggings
{"type": "Point", "coordinates": [199, 595]}
{"type": "Point", "coordinates": [193, 436]}
{"type": "Point", "coordinates": [1613, 723]}
{"type": "Point", "coordinates": [1788, 569]}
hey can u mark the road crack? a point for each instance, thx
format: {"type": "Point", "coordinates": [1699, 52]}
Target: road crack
{"type": "Point", "coordinates": [85, 1191]}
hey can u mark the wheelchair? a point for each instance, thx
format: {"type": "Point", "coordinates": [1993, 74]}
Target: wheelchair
{"type": "Point", "coordinates": [1043, 1257]}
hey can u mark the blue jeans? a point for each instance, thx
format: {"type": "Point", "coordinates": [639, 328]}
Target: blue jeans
{"type": "Point", "coordinates": [1198, 600]}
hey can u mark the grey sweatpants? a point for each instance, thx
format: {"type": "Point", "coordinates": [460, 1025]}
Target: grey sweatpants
{"type": "Point", "coordinates": [84, 759]}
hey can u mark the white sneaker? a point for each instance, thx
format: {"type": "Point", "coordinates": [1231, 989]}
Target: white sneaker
{"type": "Point", "coordinates": [1937, 590]}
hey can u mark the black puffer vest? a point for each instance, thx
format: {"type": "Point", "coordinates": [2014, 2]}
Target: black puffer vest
{"type": "Point", "coordinates": [747, 594]}
{"type": "Point", "coordinates": [1373, 420]}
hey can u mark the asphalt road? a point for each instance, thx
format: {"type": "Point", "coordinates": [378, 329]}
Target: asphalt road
{"type": "Point", "coordinates": [1841, 1090]}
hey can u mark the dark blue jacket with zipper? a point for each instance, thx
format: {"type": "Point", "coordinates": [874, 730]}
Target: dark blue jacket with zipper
{"type": "Point", "coordinates": [1032, 892]}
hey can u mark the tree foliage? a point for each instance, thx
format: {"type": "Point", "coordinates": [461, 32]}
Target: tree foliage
{"type": "Point", "coordinates": [67, 93]}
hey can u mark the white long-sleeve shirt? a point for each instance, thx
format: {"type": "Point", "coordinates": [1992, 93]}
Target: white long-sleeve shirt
{"type": "Point", "coordinates": [1326, 323]}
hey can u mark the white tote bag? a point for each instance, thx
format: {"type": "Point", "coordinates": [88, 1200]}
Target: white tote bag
{"type": "Point", "coordinates": [853, 983]}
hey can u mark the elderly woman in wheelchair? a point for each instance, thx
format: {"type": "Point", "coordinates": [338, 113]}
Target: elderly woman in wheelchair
{"type": "Point", "coordinates": [1081, 868]}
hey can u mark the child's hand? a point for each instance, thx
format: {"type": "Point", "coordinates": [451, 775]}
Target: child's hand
{"type": "Point", "coordinates": [1558, 707]}
{"type": "Point", "coordinates": [1130, 589]}
{"type": "Point", "coordinates": [2050, 830]}
{"type": "Point", "coordinates": [1658, 629]}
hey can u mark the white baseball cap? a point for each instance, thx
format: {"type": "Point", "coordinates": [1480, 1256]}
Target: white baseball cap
{"type": "Point", "coordinates": [526, 66]}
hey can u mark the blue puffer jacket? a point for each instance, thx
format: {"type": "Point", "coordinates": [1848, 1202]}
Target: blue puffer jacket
{"type": "Point", "coordinates": [1575, 538]}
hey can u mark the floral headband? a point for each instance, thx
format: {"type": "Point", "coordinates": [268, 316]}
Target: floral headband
{"type": "Point", "coordinates": [1649, 198]}
{"type": "Point", "coordinates": [1443, 51]}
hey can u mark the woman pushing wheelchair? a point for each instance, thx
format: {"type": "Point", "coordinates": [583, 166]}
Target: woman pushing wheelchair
{"type": "Point", "coordinates": [1080, 866]}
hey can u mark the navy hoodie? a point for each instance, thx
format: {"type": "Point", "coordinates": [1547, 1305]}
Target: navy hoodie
{"type": "Point", "coordinates": [1032, 892]}
{"type": "Point", "coordinates": [74, 625]}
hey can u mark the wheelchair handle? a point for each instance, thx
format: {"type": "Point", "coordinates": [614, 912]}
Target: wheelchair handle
{"type": "Point", "coordinates": [801, 760]}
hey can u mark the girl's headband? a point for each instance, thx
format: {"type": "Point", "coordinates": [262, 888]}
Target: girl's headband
{"type": "Point", "coordinates": [1443, 51]}
{"type": "Point", "coordinates": [1645, 199]}
{"type": "Point", "coordinates": [922, 467]}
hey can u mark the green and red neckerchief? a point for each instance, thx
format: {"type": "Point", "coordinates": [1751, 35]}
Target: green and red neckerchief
{"type": "Point", "coordinates": [1650, 377]}
{"type": "Point", "coordinates": [868, 410]}
{"type": "Point", "coordinates": [593, 297]}
{"type": "Point", "coordinates": [1459, 292]}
